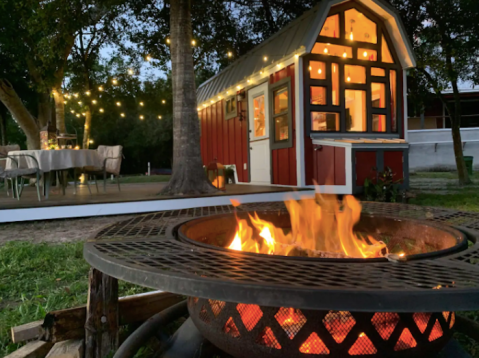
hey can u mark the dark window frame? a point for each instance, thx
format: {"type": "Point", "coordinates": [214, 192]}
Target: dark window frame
{"type": "Point", "coordinates": [234, 113]}
{"type": "Point", "coordinates": [288, 143]}
{"type": "Point", "coordinates": [343, 85]}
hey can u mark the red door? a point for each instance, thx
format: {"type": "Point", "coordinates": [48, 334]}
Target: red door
{"type": "Point", "coordinates": [395, 161]}
{"type": "Point", "coordinates": [365, 167]}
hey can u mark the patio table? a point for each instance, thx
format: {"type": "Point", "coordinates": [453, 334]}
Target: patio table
{"type": "Point", "coordinates": [55, 160]}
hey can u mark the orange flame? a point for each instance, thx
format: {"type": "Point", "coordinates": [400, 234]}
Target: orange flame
{"type": "Point", "coordinates": [319, 227]}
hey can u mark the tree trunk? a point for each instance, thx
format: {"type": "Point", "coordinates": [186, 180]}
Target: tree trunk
{"type": "Point", "coordinates": [188, 175]}
{"type": "Point", "coordinates": [20, 114]}
{"type": "Point", "coordinates": [59, 108]}
{"type": "Point", "coordinates": [44, 109]}
{"type": "Point", "coordinates": [3, 129]}
{"type": "Point", "coordinates": [87, 129]}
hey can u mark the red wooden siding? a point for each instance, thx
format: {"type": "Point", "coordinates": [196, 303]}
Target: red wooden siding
{"type": "Point", "coordinates": [365, 162]}
{"type": "Point", "coordinates": [284, 160]}
{"type": "Point", "coordinates": [329, 165]}
{"type": "Point", "coordinates": [223, 140]}
{"type": "Point", "coordinates": [394, 160]}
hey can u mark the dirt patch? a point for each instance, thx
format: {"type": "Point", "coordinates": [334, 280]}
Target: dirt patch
{"type": "Point", "coordinates": [67, 230]}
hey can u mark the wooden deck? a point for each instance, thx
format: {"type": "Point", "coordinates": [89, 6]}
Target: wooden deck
{"type": "Point", "coordinates": [133, 198]}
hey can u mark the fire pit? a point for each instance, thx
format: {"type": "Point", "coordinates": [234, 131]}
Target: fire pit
{"type": "Point", "coordinates": [297, 302]}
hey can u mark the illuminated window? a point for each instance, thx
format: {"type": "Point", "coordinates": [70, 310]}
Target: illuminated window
{"type": "Point", "coordinates": [385, 53]}
{"type": "Point", "coordinates": [325, 121]}
{"type": "Point", "coordinates": [321, 48]}
{"type": "Point", "coordinates": [366, 54]}
{"type": "Point", "coordinates": [281, 115]}
{"type": "Point", "coordinates": [230, 107]}
{"type": "Point", "coordinates": [356, 111]}
{"type": "Point", "coordinates": [331, 27]}
{"type": "Point", "coordinates": [393, 83]}
{"type": "Point", "coordinates": [379, 72]}
{"type": "Point", "coordinates": [379, 123]}
{"type": "Point", "coordinates": [318, 96]}
{"type": "Point", "coordinates": [335, 82]}
{"type": "Point", "coordinates": [359, 27]}
{"type": "Point", "coordinates": [378, 95]}
{"type": "Point", "coordinates": [355, 74]}
{"type": "Point", "coordinates": [259, 129]}
{"type": "Point", "coordinates": [280, 100]}
{"type": "Point", "coordinates": [317, 70]}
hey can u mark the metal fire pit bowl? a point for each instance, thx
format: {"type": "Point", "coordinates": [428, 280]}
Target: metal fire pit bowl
{"type": "Point", "coordinates": [146, 251]}
{"type": "Point", "coordinates": [417, 239]}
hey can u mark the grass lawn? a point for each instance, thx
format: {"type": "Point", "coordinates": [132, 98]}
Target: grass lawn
{"type": "Point", "coordinates": [465, 199]}
{"type": "Point", "coordinates": [38, 278]}
{"type": "Point", "coordinates": [440, 175]}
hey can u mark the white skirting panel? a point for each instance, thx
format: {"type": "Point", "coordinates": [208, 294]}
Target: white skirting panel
{"type": "Point", "coordinates": [137, 207]}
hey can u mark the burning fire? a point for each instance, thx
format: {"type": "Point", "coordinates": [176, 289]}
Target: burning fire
{"type": "Point", "coordinates": [320, 227]}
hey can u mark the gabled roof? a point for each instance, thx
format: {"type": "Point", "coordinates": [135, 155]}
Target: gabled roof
{"type": "Point", "coordinates": [302, 34]}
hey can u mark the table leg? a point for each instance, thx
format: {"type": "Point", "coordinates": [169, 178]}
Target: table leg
{"type": "Point", "coordinates": [48, 182]}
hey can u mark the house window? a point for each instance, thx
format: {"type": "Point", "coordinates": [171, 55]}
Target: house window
{"type": "Point", "coordinates": [281, 116]}
{"type": "Point", "coordinates": [230, 108]}
{"type": "Point", "coordinates": [259, 129]}
{"type": "Point", "coordinates": [353, 84]}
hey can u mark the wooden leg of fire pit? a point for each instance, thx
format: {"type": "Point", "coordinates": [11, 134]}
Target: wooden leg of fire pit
{"type": "Point", "coordinates": [102, 320]}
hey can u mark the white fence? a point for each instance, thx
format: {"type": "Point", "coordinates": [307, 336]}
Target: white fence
{"type": "Point", "coordinates": [432, 148]}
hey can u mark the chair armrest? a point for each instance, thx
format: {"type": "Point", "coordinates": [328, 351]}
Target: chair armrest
{"type": "Point", "coordinates": [24, 155]}
{"type": "Point", "coordinates": [110, 158]}
{"type": "Point", "coordinates": [5, 158]}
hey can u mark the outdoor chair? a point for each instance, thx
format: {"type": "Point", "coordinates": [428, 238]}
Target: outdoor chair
{"type": "Point", "coordinates": [17, 175]}
{"type": "Point", "coordinates": [112, 157]}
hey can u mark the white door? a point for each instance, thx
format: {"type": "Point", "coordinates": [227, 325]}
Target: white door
{"type": "Point", "coordinates": [260, 153]}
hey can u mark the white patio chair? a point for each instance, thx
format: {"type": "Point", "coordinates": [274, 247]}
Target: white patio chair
{"type": "Point", "coordinates": [19, 173]}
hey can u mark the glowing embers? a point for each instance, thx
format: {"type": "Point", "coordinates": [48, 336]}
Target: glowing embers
{"type": "Point", "coordinates": [362, 346]}
{"type": "Point", "coordinates": [339, 324]}
{"type": "Point", "coordinates": [385, 323]}
{"type": "Point", "coordinates": [436, 332]}
{"type": "Point", "coordinates": [268, 339]}
{"type": "Point", "coordinates": [421, 320]}
{"type": "Point", "coordinates": [405, 341]}
{"type": "Point", "coordinates": [453, 318]}
{"type": "Point", "coordinates": [204, 315]}
{"type": "Point", "coordinates": [250, 315]}
{"type": "Point", "coordinates": [313, 345]}
{"type": "Point", "coordinates": [291, 320]}
{"type": "Point", "coordinates": [216, 306]}
{"type": "Point", "coordinates": [230, 328]}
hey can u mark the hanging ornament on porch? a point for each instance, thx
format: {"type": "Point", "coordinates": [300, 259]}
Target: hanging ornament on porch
{"type": "Point", "coordinates": [216, 174]}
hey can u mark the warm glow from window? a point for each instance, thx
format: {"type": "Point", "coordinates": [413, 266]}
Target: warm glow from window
{"type": "Point", "coordinates": [355, 74]}
{"type": "Point", "coordinates": [378, 95]}
{"type": "Point", "coordinates": [332, 50]}
{"type": "Point", "coordinates": [281, 100]}
{"type": "Point", "coordinates": [393, 83]}
{"type": "Point", "coordinates": [331, 27]}
{"type": "Point", "coordinates": [379, 123]}
{"type": "Point", "coordinates": [379, 72]}
{"type": "Point", "coordinates": [356, 111]}
{"type": "Point", "coordinates": [324, 121]}
{"type": "Point", "coordinates": [359, 28]}
{"type": "Point", "coordinates": [318, 96]}
{"type": "Point", "coordinates": [317, 70]}
{"type": "Point", "coordinates": [259, 129]}
{"type": "Point", "coordinates": [281, 121]}
{"type": "Point", "coordinates": [385, 53]}
{"type": "Point", "coordinates": [335, 82]}
{"type": "Point", "coordinates": [366, 54]}
{"type": "Point", "coordinates": [281, 128]}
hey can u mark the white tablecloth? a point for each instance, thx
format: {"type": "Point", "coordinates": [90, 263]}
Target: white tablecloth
{"type": "Point", "coordinates": [49, 160]}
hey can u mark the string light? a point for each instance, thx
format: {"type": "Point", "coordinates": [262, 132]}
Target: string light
{"type": "Point", "coordinates": [118, 104]}
{"type": "Point", "coordinates": [65, 95]}
{"type": "Point", "coordinates": [65, 102]}
{"type": "Point", "coordinates": [83, 114]}
{"type": "Point", "coordinates": [131, 72]}
{"type": "Point", "coordinates": [160, 117]}
{"type": "Point", "coordinates": [198, 109]}
{"type": "Point", "coordinates": [88, 93]}
{"type": "Point", "coordinates": [238, 87]}
{"type": "Point", "coordinates": [296, 56]}
{"type": "Point", "coordinates": [76, 95]}
{"type": "Point", "coordinates": [248, 81]}
{"type": "Point", "coordinates": [163, 101]}
{"type": "Point", "coordinates": [114, 81]}
{"type": "Point", "coordinates": [168, 41]}
{"type": "Point", "coordinates": [80, 103]}
{"type": "Point", "coordinates": [193, 42]}
{"type": "Point", "coordinates": [212, 101]}
{"type": "Point", "coordinates": [326, 50]}
{"type": "Point", "coordinates": [230, 54]}
{"type": "Point", "coordinates": [102, 110]}
{"type": "Point", "coordinates": [91, 141]}
{"type": "Point", "coordinates": [142, 104]}
{"type": "Point", "coordinates": [204, 105]}
{"type": "Point", "coordinates": [122, 114]}
{"type": "Point", "coordinates": [278, 65]}
{"type": "Point", "coordinates": [310, 68]}
{"type": "Point", "coordinates": [265, 58]}
{"type": "Point", "coordinates": [148, 58]}
{"type": "Point", "coordinates": [142, 117]}
{"type": "Point", "coordinates": [219, 97]}
{"type": "Point", "coordinates": [72, 111]}
{"type": "Point", "coordinates": [78, 115]}
{"type": "Point", "coordinates": [94, 101]}
{"type": "Point", "coordinates": [100, 88]}
{"type": "Point", "coordinates": [227, 92]}
{"type": "Point", "coordinates": [365, 54]}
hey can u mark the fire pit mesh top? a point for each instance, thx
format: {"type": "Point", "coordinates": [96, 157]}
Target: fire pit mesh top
{"type": "Point", "coordinates": [143, 250]}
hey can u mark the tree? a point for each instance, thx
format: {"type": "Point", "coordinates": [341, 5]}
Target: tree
{"type": "Point", "coordinates": [444, 34]}
{"type": "Point", "coordinates": [188, 175]}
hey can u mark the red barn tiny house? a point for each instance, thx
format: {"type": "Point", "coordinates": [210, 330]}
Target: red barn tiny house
{"type": "Point", "coordinates": [323, 100]}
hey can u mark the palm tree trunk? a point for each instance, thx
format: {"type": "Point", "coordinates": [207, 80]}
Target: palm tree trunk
{"type": "Point", "coordinates": [59, 108]}
{"type": "Point", "coordinates": [188, 175]}
{"type": "Point", "coordinates": [20, 114]}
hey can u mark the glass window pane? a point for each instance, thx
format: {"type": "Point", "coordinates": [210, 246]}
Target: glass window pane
{"type": "Point", "coordinates": [335, 80]}
{"type": "Point", "coordinates": [280, 100]}
{"type": "Point", "coordinates": [378, 95]}
{"type": "Point", "coordinates": [317, 70]}
{"type": "Point", "coordinates": [380, 72]}
{"type": "Point", "coordinates": [359, 27]}
{"type": "Point", "coordinates": [393, 82]}
{"type": "Point", "coordinates": [281, 128]}
{"type": "Point", "coordinates": [355, 74]}
{"type": "Point", "coordinates": [318, 96]}
{"type": "Point", "coordinates": [325, 121]}
{"type": "Point", "coordinates": [332, 50]}
{"type": "Point", "coordinates": [356, 111]}
{"type": "Point", "coordinates": [259, 118]}
{"type": "Point", "coordinates": [331, 27]}
{"type": "Point", "coordinates": [385, 53]}
{"type": "Point", "coordinates": [379, 123]}
{"type": "Point", "coordinates": [367, 54]}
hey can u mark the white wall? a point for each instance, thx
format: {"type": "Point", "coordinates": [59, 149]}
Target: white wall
{"type": "Point", "coordinates": [425, 155]}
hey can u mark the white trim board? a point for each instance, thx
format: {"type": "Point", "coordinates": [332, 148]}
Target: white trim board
{"type": "Point", "coordinates": [138, 207]}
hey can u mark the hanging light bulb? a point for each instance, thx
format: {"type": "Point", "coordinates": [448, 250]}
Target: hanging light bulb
{"type": "Point", "coordinates": [349, 77]}
{"type": "Point", "coordinates": [122, 114]}
{"type": "Point", "coordinates": [83, 114]}
{"type": "Point", "coordinates": [351, 36]}
{"type": "Point", "coordinates": [131, 72]}
{"type": "Point", "coordinates": [94, 101]}
{"type": "Point", "coordinates": [80, 102]}
{"type": "Point", "coordinates": [76, 95]}
{"type": "Point", "coordinates": [326, 50]}
{"type": "Point", "coordinates": [72, 111]}
{"type": "Point", "coordinates": [100, 88]}
{"type": "Point", "coordinates": [320, 71]}
{"type": "Point", "coordinates": [118, 104]}
{"type": "Point", "coordinates": [142, 117]}
{"type": "Point", "coordinates": [230, 54]}
{"type": "Point", "coordinates": [102, 110]}
{"type": "Point", "coordinates": [88, 93]}
{"type": "Point", "coordinates": [142, 104]}
{"type": "Point", "coordinates": [310, 68]}
{"type": "Point", "coordinates": [265, 58]}
{"type": "Point", "coordinates": [212, 101]}
{"type": "Point", "coordinates": [345, 54]}
{"type": "Point", "coordinates": [365, 54]}
{"type": "Point", "coordinates": [167, 40]}
{"type": "Point", "coordinates": [163, 101]}
{"type": "Point", "coordinates": [114, 81]}
{"type": "Point", "coordinates": [238, 87]}
{"type": "Point", "coordinates": [65, 102]}
{"type": "Point", "coordinates": [78, 115]}
{"type": "Point", "coordinates": [193, 43]}
{"type": "Point", "coordinates": [219, 98]}
{"type": "Point", "coordinates": [148, 58]}
{"type": "Point", "coordinates": [91, 141]}
{"type": "Point", "coordinates": [159, 117]}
